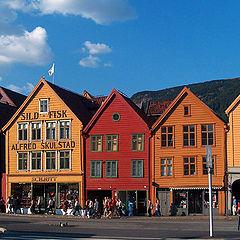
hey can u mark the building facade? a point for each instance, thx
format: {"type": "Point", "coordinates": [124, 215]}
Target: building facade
{"type": "Point", "coordinates": [179, 175]}
{"type": "Point", "coordinates": [117, 153]}
{"type": "Point", "coordinates": [44, 155]}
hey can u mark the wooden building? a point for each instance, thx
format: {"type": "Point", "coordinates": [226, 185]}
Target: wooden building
{"type": "Point", "coordinates": [9, 103]}
{"type": "Point", "coordinates": [233, 152]}
{"type": "Point", "coordinates": [179, 172]}
{"type": "Point", "coordinates": [44, 155]}
{"type": "Point", "coordinates": [117, 152]}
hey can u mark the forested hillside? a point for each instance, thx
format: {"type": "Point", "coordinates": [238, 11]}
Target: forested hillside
{"type": "Point", "coordinates": [217, 94]}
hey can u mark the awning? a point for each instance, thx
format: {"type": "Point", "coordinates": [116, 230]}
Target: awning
{"type": "Point", "coordinates": [193, 188]}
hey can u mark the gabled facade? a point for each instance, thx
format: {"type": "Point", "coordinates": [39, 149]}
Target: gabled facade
{"type": "Point", "coordinates": [233, 152]}
{"type": "Point", "coordinates": [117, 153]}
{"type": "Point", "coordinates": [179, 175]}
{"type": "Point", "coordinates": [44, 155]}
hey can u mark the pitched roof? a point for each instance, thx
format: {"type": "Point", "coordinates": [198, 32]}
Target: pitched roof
{"type": "Point", "coordinates": [6, 112]}
{"type": "Point", "coordinates": [128, 100]}
{"type": "Point", "coordinates": [79, 105]}
{"type": "Point", "coordinates": [157, 107]}
{"type": "Point", "coordinates": [185, 91]}
{"type": "Point", "coordinates": [10, 97]}
{"type": "Point", "coordinates": [233, 105]}
{"type": "Point", "coordinates": [99, 100]}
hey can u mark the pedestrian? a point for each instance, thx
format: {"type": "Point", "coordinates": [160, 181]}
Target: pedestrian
{"type": "Point", "coordinates": [32, 207]}
{"type": "Point", "coordinates": [76, 208]}
{"type": "Point", "coordinates": [157, 208]}
{"type": "Point", "coordinates": [234, 206]}
{"type": "Point", "coordinates": [65, 206]}
{"type": "Point", "coordinates": [10, 205]}
{"type": "Point", "coordinates": [39, 204]}
{"type": "Point", "coordinates": [18, 205]}
{"type": "Point", "coordinates": [130, 208]}
{"type": "Point", "coordinates": [49, 206]}
{"type": "Point", "coordinates": [2, 205]}
{"type": "Point", "coordinates": [150, 207]}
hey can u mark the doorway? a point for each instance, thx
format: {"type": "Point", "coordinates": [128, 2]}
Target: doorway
{"type": "Point", "coordinates": [195, 202]}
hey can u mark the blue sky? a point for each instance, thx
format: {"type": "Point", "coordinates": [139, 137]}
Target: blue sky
{"type": "Point", "coordinates": [133, 45]}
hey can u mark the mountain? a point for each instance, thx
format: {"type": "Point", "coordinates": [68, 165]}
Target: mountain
{"type": "Point", "coordinates": [217, 94]}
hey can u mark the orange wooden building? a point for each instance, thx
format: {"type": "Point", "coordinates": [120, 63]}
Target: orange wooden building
{"type": "Point", "coordinates": [179, 173]}
{"type": "Point", "coordinates": [233, 152]}
{"type": "Point", "coordinates": [44, 155]}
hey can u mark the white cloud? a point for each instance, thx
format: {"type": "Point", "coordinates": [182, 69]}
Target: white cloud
{"type": "Point", "coordinates": [98, 48]}
{"type": "Point", "coordinates": [28, 48]}
{"type": "Point", "coordinates": [90, 61]}
{"type": "Point", "coordinates": [100, 11]}
{"type": "Point", "coordinates": [107, 64]}
{"type": "Point", "coordinates": [25, 89]}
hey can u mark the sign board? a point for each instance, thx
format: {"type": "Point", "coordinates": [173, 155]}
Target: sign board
{"type": "Point", "coordinates": [209, 162]}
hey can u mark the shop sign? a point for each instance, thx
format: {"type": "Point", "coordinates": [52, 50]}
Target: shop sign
{"type": "Point", "coordinates": [51, 114]}
{"type": "Point", "coordinates": [44, 145]}
{"type": "Point", "coordinates": [44, 179]}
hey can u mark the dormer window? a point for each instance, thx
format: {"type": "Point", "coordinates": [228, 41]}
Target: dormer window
{"type": "Point", "coordinates": [43, 106]}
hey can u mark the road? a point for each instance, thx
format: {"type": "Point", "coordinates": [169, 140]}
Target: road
{"type": "Point", "coordinates": [30, 227]}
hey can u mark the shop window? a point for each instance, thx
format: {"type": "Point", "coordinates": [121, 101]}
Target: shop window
{"type": "Point", "coordinates": [23, 161]}
{"type": "Point", "coordinates": [96, 169]}
{"type": "Point", "coordinates": [36, 161]}
{"type": "Point", "coordinates": [50, 160]}
{"type": "Point", "coordinates": [205, 169]}
{"type": "Point", "coordinates": [43, 105]}
{"type": "Point", "coordinates": [167, 136]}
{"type": "Point", "coordinates": [65, 159]}
{"type": "Point", "coordinates": [96, 143]}
{"type": "Point", "coordinates": [51, 130]}
{"type": "Point", "coordinates": [187, 110]}
{"type": "Point", "coordinates": [189, 133]}
{"type": "Point", "coordinates": [23, 192]}
{"type": "Point", "coordinates": [180, 199]}
{"type": "Point", "coordinates": [111, 168]}
{"type": "Point", "coordinates": [36, 128]}
{"type": "Point", "coordinates": [166, 166]}
{"type": "Point", "coordinates": [137, 142]}
{"type": "Point", "coordinates": [65, 129]}
{"type": "Point", "coordinates": [112, 143]}
{"type": "Point", "coordinates": [22, 131]}
{"type": "Point", "coordinates": [207, 134]}
{"type": "Point", "coordinates": [189, 166]}
{"type": "Point", "coordinates": [137, 168]}
{"type": "Point", "coordinates": [214, 199]}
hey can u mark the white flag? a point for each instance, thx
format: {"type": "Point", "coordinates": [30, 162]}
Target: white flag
{"type": "Point", "coordinates": [51, 70]}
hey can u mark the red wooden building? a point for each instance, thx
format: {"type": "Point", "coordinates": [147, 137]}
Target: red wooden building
{"type": "Point", "coordinates": [117, 149]}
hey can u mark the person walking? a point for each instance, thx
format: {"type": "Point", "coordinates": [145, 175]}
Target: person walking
{"type": "Point", "coordinates": [157, 208]}
{"type": "Point", "coordinates": [50, 206]}
{"type": "Point", "coordinates": [234, 206]}
{"type": "Point", "coordinates": [39, 204]}
{"type": "Point", "coordinates": [150, 207]}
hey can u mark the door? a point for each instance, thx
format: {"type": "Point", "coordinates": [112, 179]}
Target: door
{"type": "Point", "coordinates": [195, 202]}
{"type": "Point", "coordinates": [164, 198]}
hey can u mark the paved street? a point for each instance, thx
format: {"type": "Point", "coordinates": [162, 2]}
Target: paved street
{"type": "Point", "coordinates": [48, 227]}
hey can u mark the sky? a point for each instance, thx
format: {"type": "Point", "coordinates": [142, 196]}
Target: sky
{"type": "Point", "coordinates": [130, 45]}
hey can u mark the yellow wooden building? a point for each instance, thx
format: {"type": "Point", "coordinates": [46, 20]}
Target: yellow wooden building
{"type": "Point", "coordinates": [179, 172]}
{"type": "Point", "coordinates": [44, 152]}
{"type": "Point", "coordinates": [233, 152]}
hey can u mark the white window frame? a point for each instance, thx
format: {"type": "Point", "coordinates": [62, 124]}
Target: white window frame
{"type": "Point", "coordinates": [36, 140]}
{"type": "Point", "coordinates": [23, 170]}
{"type": "Point", "coordinates": [70, 160]}
{"type": "Point", "coordinates": [70, 129]}
{"type": "Point", "coordinates": [56, 161]}
{"type": "Point", "coordinates": [36, 170]}
{"type": "Point", "coordinates": [56, 134]}
{"type": "Point", "coordinates": [43, 99]}
{"type": "Point", "coordinates": [27, 131]}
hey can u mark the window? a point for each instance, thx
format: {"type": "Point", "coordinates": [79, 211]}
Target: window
{"type": "Point", "coordinates": [64, 129]}
{"type": "Point", "coordinates": [51, 130]}
{"type": "Point", "coordinates": [50, 160]}
{"type": "Point", "coordinates": [112, 143]}
{"type": "Point", "coordinates": [205, 169]}
{"type": "Point", "coordinates": [189, 166]}
{"type": "Point", "coordinates": [116, 117]}
{"type": "Point", "coordinates": [96, 143]}
{"type": "Point", "coordinates": [43, 105]}
{"type": "Point", "coordinates": [167, 136]}
{"type": "Point", "coordinates": [207, 134]}
{"type": "Point", "coordinates": [137, 168]}
{"type": "Point", "coordinates": [166, 167]}
{"type": "Point", "coordinates": [23, 161]}
{"type": "Point", "coordinates": [137, 142]}
{"type": "Point", "coordinates": [22, 131]}
{"type": "Point", "coordinates": [187, 110]}
{"type": "Point", "coordinates": [111, 168]}
{"type": "Point", "coordinates": [36, 130]}
{"type": "Point", "coordinates": [189, 132]}
{"type": "Point", "coordinates": [96, 169]}
{"type": "Point", "coordinates": [64, 159]}
{"type": "Point", "coordinates": [36, 161]}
